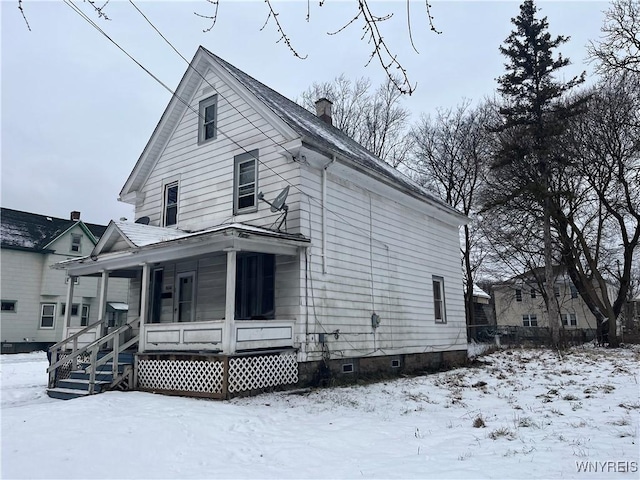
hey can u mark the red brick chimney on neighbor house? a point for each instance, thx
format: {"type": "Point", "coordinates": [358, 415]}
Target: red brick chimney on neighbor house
{"type": "Point", "coordinates": [323, 110]}
{"type": "Point", "coordinates": [75, 216]}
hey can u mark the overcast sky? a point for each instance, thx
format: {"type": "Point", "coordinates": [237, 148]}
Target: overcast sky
{"type": "Point", "coordinates": [77, 113]}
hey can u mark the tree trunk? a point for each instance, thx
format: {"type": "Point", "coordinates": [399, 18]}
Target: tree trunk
{"type": "Point", "coordinates": [552, 304]}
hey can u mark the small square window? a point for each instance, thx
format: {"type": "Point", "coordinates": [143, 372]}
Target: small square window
{"type": "Point", "coordinates": [9, 306]}
{"type": "Point", "coordinates": [47, 315]}
{"type": "Point", "coordinates": [208, 113]}
{"type": "Point", "coordinates": [76, 242]}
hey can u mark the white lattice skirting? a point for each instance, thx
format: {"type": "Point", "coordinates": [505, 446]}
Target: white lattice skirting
{"type": "Point", "coordinates": [207, 376]}
{"type": "Point", "coordinates": [252, 373]}
{"type": "Point", "coordinates": [181, 375]}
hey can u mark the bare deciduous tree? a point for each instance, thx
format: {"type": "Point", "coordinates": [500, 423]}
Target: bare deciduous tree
{"type": "Point", "coordinates": [451, 156]}
{"type": "Point", "coordinates": [619, 48]}
{"type": "Point", "coordinates": [375, 119]}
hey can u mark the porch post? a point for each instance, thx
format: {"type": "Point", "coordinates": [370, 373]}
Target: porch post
{"type": "Point", "coordinates": [102, 306]}
{"type": "Point", "coordinates": [67, 312]}
{"type": "Point", "coordinates": [229, 334]}
{"type": "Point", "coordinates": [144, 303]}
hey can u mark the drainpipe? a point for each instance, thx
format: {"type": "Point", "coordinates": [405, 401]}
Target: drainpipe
{"type": "Point", "coordinates": [324, 213]}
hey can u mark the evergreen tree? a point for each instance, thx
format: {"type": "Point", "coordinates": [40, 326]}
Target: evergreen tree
{"type": "Point", "coordinates": [533, 116]}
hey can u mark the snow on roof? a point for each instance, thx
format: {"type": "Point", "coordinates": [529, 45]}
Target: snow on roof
{"type": "Point", "coordinates": [143, 235]}
{"type": "Point", "coordinates": [33, 231]}
{"type": "Point", "coordinates": [316, 130]}
{"type": "Point", "coordinates": [478, 292]}
{"type": "Point", "coordinates": [119, 306]}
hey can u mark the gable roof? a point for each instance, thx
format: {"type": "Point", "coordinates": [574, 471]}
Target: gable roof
{"type": "Point", "coordinates": [297, 119]}
{"type": "Point", "coordinates": [32, 231]}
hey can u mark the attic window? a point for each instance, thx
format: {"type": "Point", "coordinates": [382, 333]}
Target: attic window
{"type": "Point", "coordinates": [208, 113]}
{"type": "Point", "coordinates": [76, 242]}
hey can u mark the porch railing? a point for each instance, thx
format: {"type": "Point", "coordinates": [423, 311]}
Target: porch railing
{"type": "Point", "coordinates": [92, 349]}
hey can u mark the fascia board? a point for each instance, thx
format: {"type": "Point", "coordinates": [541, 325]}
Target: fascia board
{"type": "Point", "coordinates": [111, 231]}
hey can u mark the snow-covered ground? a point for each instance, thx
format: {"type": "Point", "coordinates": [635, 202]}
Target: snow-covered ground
{"type": "Point", "coordinates": [516, 414]}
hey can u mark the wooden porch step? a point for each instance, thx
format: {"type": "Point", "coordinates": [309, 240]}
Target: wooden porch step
{"type": "Point", "coordinates": [66, 393]}
{"type": "Point", "coordinates": [82, 384]}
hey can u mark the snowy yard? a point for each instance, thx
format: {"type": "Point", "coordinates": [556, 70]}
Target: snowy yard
{"type": "Point", "coordinates": [518, 414]}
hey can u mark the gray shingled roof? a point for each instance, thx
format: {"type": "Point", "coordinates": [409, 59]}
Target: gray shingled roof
{"type": "Point", "coordinates": [321, 134]}
{"type": "Point", "coordinates": [32, 231]}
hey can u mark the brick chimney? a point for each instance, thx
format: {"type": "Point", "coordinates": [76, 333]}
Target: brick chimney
{"type": "Point", "coordinates": [323, 110]}
{"type": "Point", "coordinates": [75, 216]}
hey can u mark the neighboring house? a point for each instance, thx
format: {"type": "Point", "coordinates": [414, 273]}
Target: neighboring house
{"type": "Point", "coordinates": [519, 303]}
{"type": "Point", "coordinates": [34, 295]}
{"type": "Point", "coordinates": [241, 287]}
{"type": "Point", "coordinates": [483, 324]}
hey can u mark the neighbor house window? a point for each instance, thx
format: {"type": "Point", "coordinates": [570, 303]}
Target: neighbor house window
{"type": "Point", "coordinates": [76, 242]}
{"type": "Point", "coordinates": [255, 286]}
{"type": "Point", "coordinates": [565, 320]}
{"type": "Point", "coordinates": [438, 300]}
{"type": "Point", "coordinates": [556, 291]}
{"type": "Point", "coordinates": [47, 315]}
{"type": "Point", "coordinates": [74, 309]}
{"type": "Point", "coordinates": [84, 318]}
{"type": "Point", "coordinates": [170, 204]}
{"type": "Point", "coordinates": [208, 114]}
{"type": "Point", "coordinates": [518, 295]}
{"type": "Point", "coordinates": [574, 291]}
{"type": "Point", "coordinates": [245, 188]}
{"type": "Point", "coordinates": [533, 293]}
{"type": "Point", "coordinates": [9, 306]}
{"type": "Point", "coordinates": [530, 320]}
{"type": "Point", "coordinates": [573, 319]}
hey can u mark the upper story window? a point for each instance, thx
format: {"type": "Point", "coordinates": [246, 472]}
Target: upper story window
{"type": "Point", "coordinates": [438, 300]}
{"type": "Point", "coordinates": [533, 293]}
{"type": "Point", "coordinates": [574, 291]}
{"type": "Point", "coordinates": [76, 242]}
{"type": "Point", "coordinates": [245, 183]}
{"type": "Point", "coordinates": [170, 204]}
{"type": "Point", "coordinates": [208, 113]}
{"type": "Point", "coordinates": [518, 295]}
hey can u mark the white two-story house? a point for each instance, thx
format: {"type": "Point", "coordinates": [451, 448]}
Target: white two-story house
{"type": "Point", "coordinates": [269, 248]}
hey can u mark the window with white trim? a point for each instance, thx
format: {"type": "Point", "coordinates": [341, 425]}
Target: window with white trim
{"type": "Point", "coordinates": [47, 315]}
{"type": "Point", "coordinates": [569, 319]}
{"type": "Point", "coordinates": [530, 320]}
{"type": "Point", "coordinates": [76, 242]}
{"type": "Point", "coordinates": [439, 307]}
{"type": "Point", "coordinates": [245, 183]}
{"type": "Point", "coordinates": [84, 318]}
{"type": "Point", "coordinates": [170, 216]}
{"type": "Point", "coordinates": [208, 119]}
{"type": "Point", "coordinates": [9, 306]}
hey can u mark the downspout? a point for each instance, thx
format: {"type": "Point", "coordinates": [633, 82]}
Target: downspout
{"type": "Point", "coordinates": [324, 213]}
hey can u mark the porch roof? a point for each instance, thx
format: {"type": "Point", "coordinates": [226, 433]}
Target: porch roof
{"type": "Point", "coordinates": [150, 244]}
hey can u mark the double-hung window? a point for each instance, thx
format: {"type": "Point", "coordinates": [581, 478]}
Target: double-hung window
{"type": "Point", "coordinates": [245, 184]}
{"type": "Point", "coordinates": [208, 117]}
{"type": "Point", "coordinates": [76, 242]}
{"type": "Point", "coordinates": [439, 308]}
{"type": "Point", "coordinates": [518, 295]}
{"type": "Point", "coordinates": [530, 320]}
{"type": "Point", "coordinates": [47, 315]}
{"type": "Point", "coordinates": [170, 204]}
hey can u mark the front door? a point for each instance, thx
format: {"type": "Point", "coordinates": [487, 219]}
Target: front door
{"type": "Point", "coordinates": [184, 306]}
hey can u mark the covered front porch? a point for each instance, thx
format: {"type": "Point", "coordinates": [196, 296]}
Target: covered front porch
{"type": "Point", "coordinates": [215, 312]}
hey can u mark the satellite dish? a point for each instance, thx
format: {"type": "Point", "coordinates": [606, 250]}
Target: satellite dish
{"type": "Point", "coordinates": [278, 204]}
{"type": "Point", "coordinates": [143, 221]}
